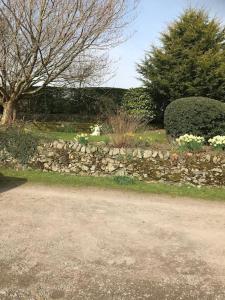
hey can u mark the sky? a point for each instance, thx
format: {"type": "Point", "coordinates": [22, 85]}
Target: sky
{"type": "Point", "coordinates": [153, 17]}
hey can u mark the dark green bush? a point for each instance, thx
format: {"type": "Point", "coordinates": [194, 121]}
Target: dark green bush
{"type": "Point", "coordinates": [18, 143]}
{"type": "Point", "coordinates": [195, 115]}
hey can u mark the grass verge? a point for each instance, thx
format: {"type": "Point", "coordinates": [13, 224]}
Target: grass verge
{"type": "Point", "coordinates": [51, 179]}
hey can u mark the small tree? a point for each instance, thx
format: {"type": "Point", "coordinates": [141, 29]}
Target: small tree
{"type": "Point", "coordinates": [138, 102]}
{"type": "Point", "coordinates": [189, 62]}
{"type": "Point", "coordinates": [44, 42]}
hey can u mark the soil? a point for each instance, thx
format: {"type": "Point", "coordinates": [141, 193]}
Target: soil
{"type": "Point", "coordinates": [65, 243]}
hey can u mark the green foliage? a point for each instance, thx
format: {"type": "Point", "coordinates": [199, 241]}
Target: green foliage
{"type": "Point", "coordinates": [68, 101]}
{"type": "Point", "coordinates": [195, 115]}
{"type": "Point", "coordinates": [123, 180]}
{"type": "Point", "coordinates": [189, 62]}
{"type": "Point", "coordinates": [138, 102]}
{"type": "Point", "coordinates": [66, 127]}
{"type": "Point", "coordinates": [192, 146]}
{"type": "Point", "coordinates": [20, 144]}
{"type": "Point", "coordinates": [82, 138]}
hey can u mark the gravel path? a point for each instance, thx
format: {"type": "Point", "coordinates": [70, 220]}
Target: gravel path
{"type": "Point", "coordinates": [58, 243]}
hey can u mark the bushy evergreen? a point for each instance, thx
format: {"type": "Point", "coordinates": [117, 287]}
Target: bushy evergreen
{"type": "Point", "coordinates": [189, 62]}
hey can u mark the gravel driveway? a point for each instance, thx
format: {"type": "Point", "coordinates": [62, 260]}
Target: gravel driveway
{"type": "Point", "coordinates": [58, 243]}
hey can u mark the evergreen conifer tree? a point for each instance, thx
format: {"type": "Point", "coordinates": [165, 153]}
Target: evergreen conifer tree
{"type": "Point", "coordinates": [189, 62]}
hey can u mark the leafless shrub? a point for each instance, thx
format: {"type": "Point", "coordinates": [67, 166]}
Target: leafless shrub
{"type": "Point", "coordinates": [123, 127]}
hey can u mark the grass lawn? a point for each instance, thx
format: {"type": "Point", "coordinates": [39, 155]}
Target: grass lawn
{"type": "Point", "coordinates": [209, 193]}
{"type": "Point", "coordinates": [67, 136]}
{"type": "Point", "coordinates": [154, 136]}
{"type": "Point", "coordinates": [67, 131]}
{"type": "Point", "coordinates": [151, 136]}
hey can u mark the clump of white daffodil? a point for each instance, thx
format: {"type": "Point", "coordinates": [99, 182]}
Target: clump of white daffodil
{"type": "Point", "coordinates": [82, 138]}
{"type": "Point", "coordinates": [190, 142]}
{"type": "Point", "coordinates": [218, 142]}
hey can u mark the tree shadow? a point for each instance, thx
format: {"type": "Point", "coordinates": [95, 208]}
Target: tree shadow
{"type": "Point", "coordinates": [8, 183]}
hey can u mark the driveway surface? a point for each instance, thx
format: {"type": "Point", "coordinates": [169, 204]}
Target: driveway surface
{"type": "Point", "coordinates": [58, 243]}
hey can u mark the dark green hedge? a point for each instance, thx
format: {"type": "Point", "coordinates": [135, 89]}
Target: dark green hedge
{"type": "Point", "coordinates": [79, 101]}
{"type": "Point", "coordinates": [195, 115]}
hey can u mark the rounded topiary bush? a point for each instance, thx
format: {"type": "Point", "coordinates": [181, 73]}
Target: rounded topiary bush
{"type": "Point", "coordinates": [195, 115]}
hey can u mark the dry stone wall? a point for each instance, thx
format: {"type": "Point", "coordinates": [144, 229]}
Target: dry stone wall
{"type": "Point", "coordinates": [148, 165]}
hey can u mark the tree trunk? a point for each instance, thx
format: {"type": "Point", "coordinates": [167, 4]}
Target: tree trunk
{"type": "Point", "coordinates": [8, 113]}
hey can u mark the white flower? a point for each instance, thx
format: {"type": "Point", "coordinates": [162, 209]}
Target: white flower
{"type": "Point", "coordinates": [217, 141]}
{"type": "Point", "coordinates": [189, 138]}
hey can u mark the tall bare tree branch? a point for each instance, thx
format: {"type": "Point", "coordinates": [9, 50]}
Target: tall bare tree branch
{"type": "Point", "coordinates": [43, 42]}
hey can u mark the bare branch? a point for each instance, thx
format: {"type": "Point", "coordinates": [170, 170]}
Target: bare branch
{"type": "Point", "coordinates": [44, 42]}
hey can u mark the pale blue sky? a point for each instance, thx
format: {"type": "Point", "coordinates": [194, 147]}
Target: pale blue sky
{"type": "Point", "coordinates": [153, 18]}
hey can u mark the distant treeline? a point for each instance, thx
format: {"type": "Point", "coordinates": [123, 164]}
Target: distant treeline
{"type": "Point", "coordinates": [97, 101]}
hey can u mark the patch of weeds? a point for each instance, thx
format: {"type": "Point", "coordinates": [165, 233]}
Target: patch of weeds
{"type": "Point", "coordinates": [123, 180]}
{"type": "Point", "coordinates": [82, 139]}
{"type": "Point", "coordinates": [120, 157]}
{"type": "Point", "coordinates": [129, 157]}
{"type": "Point", "coordinates": [192, 146]}
{"type": "Point", "coordinates": [18, 143]}
{"type": "Point", "coordinates": [143, 141]}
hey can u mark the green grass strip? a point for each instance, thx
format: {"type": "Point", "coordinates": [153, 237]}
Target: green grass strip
{"type": "Point", "coordinates": [57, 179]}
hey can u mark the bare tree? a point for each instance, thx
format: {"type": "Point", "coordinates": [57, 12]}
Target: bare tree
{"type": "Point", "coordinates": [87, 70]}
{"type": "Point", "coordinates": [41, 39]}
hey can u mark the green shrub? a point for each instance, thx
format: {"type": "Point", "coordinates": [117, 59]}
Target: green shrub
{"type": "Point", "coordinates": [138, 102]}
{"type": "Point", "coordinates": [195, 115]}
{"type": "Point", "coordinates": [18, 143]}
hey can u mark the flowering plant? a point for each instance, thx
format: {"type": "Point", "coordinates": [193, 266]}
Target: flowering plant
{"type": "Point", "coordinates": [130, 134]}
{"type": "Point", "coordinates": [82, 138]}
{"type": "Point", "coordinates": [218, 142]}
{"type": "Point", "coordinates": [96, 130]}
{"type": "Point", "coordinates": [190, 142]}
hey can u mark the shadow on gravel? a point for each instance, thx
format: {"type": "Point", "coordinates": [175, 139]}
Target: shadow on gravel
{"type": "Point", "coordinates": [8, 183]}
